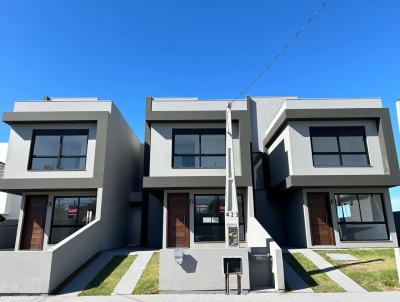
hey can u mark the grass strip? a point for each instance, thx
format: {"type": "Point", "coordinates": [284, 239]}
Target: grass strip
{"type": "Point", "coordinates": [312, 276]}
{"type": "Point", "coordinates": [74, 274]}
{"type": "Point", "coordinates": [107, 279]}
{"type": "Point", "coordinates": [374, 269]}
{"type": "Point", "coordinates": [149, 281]}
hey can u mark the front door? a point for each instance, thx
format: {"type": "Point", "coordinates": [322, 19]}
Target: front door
{"type": "Point", "coordinates": [34, 221]}
{"type": "Point", "coordinates": [320, 219]}
{"type": "Point", "coordinates": [178, 220]}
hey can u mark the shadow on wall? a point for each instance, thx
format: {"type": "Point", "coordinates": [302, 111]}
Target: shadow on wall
{"type": "Point", "coordinates": [396, 216]}
{"type": "Point", "coordinates": [278, 162]}
{"type": "Point", "coordinates": [189, 264]}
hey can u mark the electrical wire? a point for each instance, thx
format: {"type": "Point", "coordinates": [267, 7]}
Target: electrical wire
{"type": "Point", "coordinates": [283, 49]}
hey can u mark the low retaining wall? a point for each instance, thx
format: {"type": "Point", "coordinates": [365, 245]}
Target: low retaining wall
{"type": "Point", "coordinates": [201, 270]}
{"type": "Point", "coordinates": [25, 272]}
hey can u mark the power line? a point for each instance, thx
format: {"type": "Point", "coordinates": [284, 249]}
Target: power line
{"type": "Point", "coordinates": [283, 49]}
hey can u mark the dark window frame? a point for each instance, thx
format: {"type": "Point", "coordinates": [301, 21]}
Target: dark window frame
{"type": "Point", "coordinates": [61, 134]}
{"type": "Point", "coordinates": [219, 223]}
{"type": "Point", "coordinates": [77, 226]}
{"type": "Point", "coordinates": [339, 153]}
{"type": "Point", "coordinates": [253, 171]}
{"type": "Point", "coordinates": [199, 132]}
{"type": "Point", "coordinates": [385, 222]}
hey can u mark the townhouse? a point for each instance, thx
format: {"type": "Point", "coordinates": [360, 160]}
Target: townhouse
{"type": "Point", "coordinates": [75, 163]}
{"type": "Point", "coordinates": [309, 173]}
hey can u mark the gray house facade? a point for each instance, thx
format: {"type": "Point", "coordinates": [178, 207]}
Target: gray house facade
{"type": "Point", "coordinates": [75, 163]}
{"type": "Point", "coordinates": [310, 173]}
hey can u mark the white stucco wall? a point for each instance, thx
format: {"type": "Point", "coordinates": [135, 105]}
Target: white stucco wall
{"type": "Point", "coordinates": [19, 150]}
{"type": "Point", "coordinates": [161, 150]}
{"type": "Point", "coordinates": [62, 106]}
{"type": "Point", "coordinates": [196, 105]}
{"type": "Point", "coordinates": [263, 111]}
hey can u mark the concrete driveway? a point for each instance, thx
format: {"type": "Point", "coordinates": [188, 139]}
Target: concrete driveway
{"type": "Point", "coordinates": [269, 297]}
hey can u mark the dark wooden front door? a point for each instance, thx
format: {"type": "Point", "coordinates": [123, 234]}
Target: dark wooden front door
{"type": "Point", "coordinates": [34, 221]}
{"type": "Point", "coordinates": [320, 219]}
{"type": "Point", "coordinates": [178, 220]}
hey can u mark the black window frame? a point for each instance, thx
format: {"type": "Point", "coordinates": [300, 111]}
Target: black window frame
{"type": "Point", "coordinates": [199, 132]}
{"type": "Point", "coordinates": [262, 155]}
{"type": "Point", "coordinates": [61, 134]}
{"type": "Point", "coordinates": [337, 131]}
{"type": "Point", "coordinates": [219, 223]}
{"type": "Point", "coordinates": [77, 226]}
{"type": "Point", "coordinates": [385, 222]}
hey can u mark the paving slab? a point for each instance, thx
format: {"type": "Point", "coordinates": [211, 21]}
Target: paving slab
{"type": "Point", "coordinates": [336, 275]}
{"type": "Point", "coordinates": [341, 257]}
{"type": "Point", "coordinates": [128, 282]}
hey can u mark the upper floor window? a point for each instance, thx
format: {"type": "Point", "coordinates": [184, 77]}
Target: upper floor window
{"type": "Point", "coordinates": [339, 146]}
{"type": "Point", "coordinates": [198, 148]}
{"type": "Point", "coordinates": [58, 150]}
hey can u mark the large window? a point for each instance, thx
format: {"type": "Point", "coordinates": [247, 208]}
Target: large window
{"type": "Point", "coordinates": [209, 218]}
{"type": "Point", "coordinates": [361, 217]}
{"type": "Point", "coordinates": [339, 146]}
{"type": "Point", "coordinates": [58, 150]}
{"type": "Point", "coordinates": [70, 214]}
{"type": "Point", "coordinates": [198, 148]}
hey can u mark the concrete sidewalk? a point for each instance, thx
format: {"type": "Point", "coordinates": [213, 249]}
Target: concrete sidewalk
{"type": "Point", "coordinates": [270, 297]}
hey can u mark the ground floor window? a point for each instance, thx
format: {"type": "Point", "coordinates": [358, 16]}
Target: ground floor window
{"type": "Point", "coordinates": [209, 218]}
{"type": "Point", "coordinates": [69, 215]}
{"type": "Point", "coordinates": [361, 217]}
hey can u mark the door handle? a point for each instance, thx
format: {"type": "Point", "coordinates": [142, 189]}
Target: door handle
{"type": "Point", "coordinates": [184, 219]}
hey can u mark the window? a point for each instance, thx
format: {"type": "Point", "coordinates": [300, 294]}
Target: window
{"type": "Point", "coordinates": [69, 215]}
{"type": "Point", "coordinates": [258, 170]}
{"type": "Point", "coordinates": [339, 146]}
{"type": "Point", "coordinates": [361, 217]}
{"type": "Point", "coordinates": [198, 148]}
{"type": "Point", "coordinates": [209, 218]}
{"type": "Point", "coordinates": [59, 150]}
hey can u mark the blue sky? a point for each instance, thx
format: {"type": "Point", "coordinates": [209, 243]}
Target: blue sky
{"type": "Point", "coordinates": [126, 50]}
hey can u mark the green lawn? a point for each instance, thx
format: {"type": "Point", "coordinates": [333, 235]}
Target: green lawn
{"type": "Point", "coordinates": [317, 280]}
{"type": "Point", "coordinates": [105, 281]}
{"type": "Point", "coordinates": [74, 274]}
{"type": "Point", "coordinates": [149, 281]}
{"type": "Point", "coordinates": [375, 269]}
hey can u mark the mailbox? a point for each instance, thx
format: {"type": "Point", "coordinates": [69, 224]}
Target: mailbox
{"type": "Point", "coordinates": [232, 265]}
